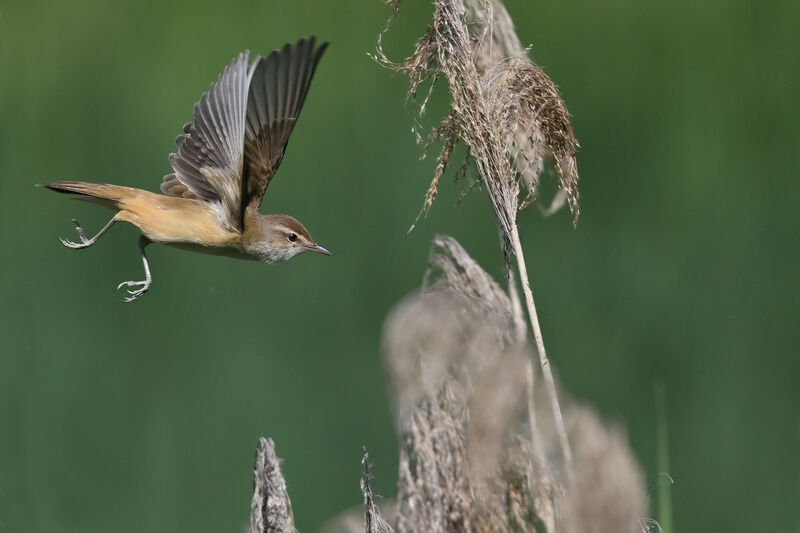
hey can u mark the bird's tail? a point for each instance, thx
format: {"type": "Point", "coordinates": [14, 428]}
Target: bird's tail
{"type": "Point", "coordinates": [99, 193]}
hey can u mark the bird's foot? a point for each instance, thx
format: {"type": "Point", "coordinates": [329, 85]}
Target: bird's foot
{"type": "Point", "coordinates": [78, 245]}
{"type": "Point", "coordinates": [143, 285]}
{"type": "Point", "coordinates": [134, 294]}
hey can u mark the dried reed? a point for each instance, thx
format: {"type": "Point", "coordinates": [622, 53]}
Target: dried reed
{"type": "Point", "coordinates": [511, 118]}
{"type": "Point", "coordinates": [270, 508]}
{"type": "Point", "coordinates": [373, 522]}
{"type": "Point", "coordinates": [468, 460]}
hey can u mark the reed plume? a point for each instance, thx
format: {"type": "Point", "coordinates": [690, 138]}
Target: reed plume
{"type": "Point", "coordinates": [503, 107]}
{"type": "Point", "coordinates": [509, 115]}
{"type": "Point", "coordinates": [469, 460]}
{"type": "Point", "coordinates": [270, 508]}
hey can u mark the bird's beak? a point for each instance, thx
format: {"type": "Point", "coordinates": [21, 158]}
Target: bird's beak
{"type": "Point", "coordinates": [319, 249]}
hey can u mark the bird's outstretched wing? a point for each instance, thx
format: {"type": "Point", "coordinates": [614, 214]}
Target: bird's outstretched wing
{"type": "Point", "coordinates": [278, 89]}
{"type": "Point", "coordinates": [209, 162]}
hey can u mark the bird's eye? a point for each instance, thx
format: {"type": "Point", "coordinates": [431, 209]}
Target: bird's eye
{"type": "Point", "coordinates": [292, 237]}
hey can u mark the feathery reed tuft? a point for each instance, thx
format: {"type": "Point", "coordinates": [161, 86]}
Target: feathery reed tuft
{"type": "Point", "coordinates": [450, 268]}
{"type": "Point", "coordinates": [270, 509]}
{"type": "Point", "coordinates": [469, 459]}
{"type": "Point", "coordinates": [457, 376]}
{"type": "Point", "coordinates": [373, 522]}
{"type": "Point", "coordinates": [504, 108]}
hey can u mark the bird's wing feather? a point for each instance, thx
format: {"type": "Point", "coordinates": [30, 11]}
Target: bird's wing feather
{"type": "Point", "coordinates": [278, 89]}
{"type": "Point", "coordinates": [209, 162]}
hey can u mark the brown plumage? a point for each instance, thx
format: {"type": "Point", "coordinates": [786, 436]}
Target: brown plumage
{"type": "Point", "coordinates": [225, 160]}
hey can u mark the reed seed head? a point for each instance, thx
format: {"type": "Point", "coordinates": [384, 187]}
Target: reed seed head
{"type": "Point", "coordinates": [503, 107]}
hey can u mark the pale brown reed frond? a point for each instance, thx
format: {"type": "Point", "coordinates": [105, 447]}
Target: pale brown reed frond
{"type": "Point", "coordinates": [467, 461]}
{"type": "Point", "coordinates": [504, 108]}
{"type": "Point", "coordinates": [270, 508]}
{"type": "Point", "coordinates": [526, 104]}
{"type": "Point", "coordinates": [450, 268]}
{"type": "Point", "coordinates": [494, 38]}
{"type": "Point", "coordinates": [373, 521]}
{"type": "Point", "coordinates": [457, 393]}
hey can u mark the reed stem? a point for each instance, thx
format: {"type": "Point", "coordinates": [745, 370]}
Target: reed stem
{"type": "Point", "coordinates": [544, 362]}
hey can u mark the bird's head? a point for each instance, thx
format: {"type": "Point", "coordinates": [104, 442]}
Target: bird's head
{"type": "Point", "coordinates": [278, 238]}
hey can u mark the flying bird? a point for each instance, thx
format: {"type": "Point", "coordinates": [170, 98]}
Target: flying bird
{"type": "Point", "coordinates": [225, 161]}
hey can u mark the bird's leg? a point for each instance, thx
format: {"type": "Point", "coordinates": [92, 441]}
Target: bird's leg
{"type": "Point", "coordinates": [84, 241]}
{"type": "Point", "coordinates": [144, 285]}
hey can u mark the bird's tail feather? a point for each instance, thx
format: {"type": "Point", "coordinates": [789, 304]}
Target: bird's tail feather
{"type": "Point", "coordinates": [99, 193]}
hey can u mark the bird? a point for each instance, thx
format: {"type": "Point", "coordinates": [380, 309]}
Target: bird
{"type": "Point", "coordinates": [225, 161]}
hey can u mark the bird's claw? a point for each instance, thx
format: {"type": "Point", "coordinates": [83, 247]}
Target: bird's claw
{"type": "Point", "coordinates": [145, 285]}
{"type": "Point", "coordinates": [77, 245]}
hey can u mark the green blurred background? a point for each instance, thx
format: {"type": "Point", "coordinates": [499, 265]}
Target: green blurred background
{"type": "Point", "coordinates": [683, 269]}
